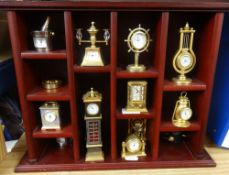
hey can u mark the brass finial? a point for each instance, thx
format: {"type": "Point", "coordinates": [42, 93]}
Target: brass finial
{"type": "Point", "coordinates": [92, 30]}
{"type": "Point", "coordinates": [92, 92]}
{"type": "Point", "coordinates": [186, 26]}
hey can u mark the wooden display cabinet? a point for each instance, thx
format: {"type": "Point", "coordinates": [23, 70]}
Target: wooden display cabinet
{"type": "Point", "coordinates": [164, 20]}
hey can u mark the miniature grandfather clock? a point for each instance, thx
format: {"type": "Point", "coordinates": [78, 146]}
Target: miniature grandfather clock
{"type": "Point", "coordinates": [92, 100]}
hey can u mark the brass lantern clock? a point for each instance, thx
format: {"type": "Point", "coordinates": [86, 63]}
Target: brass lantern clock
{"type": "Point", "coordinates": [92, 100]}
{"type": "Point", "coordinates": [138, 41]}
{"type": "Point", "coordinates": [134, 145]}
{"type": "Point", "coordinates": [182, 112]}
{"type": "Point", "coordinates": [184, 59]}
{"type": "Point", "coordinates": [50, 115]}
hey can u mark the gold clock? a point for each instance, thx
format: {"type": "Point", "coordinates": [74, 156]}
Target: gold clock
{"type": "Point", "coordinates": [136, 96]}
{"type": "Point", "coordinates": [182, 112]}
{"type": "Point", "coordinates": [134, 145]}
{"type": "Point", "coordinates": [184, 59]}
{"type": "Point", "coordinates": [138, 41]}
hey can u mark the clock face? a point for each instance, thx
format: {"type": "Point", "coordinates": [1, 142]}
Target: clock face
{"type": "Point", "coordinates": [92, 109]}
{"type": "Point", "coordinates": [186, 113]}
{"type": "Point", "coordinates": [50, 116]}
{"type": "Point", "coordinates": [92, 55]}
{"type": "Point", "coordinates": [134, 145]}
{"type": "Point", "coordinates": [138, 40]}
{"type": "Point", "coordinates": [40, 42]}
{"type": "Point", "coordinates": [186, 61]}
{"type": "Point", "coordinates": [136, 93]}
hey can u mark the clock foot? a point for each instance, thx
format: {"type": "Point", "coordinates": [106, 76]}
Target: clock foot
{"type": "Point", "coordinates": [182, 80]}
{"type": "Point", "coordinates": [181, 124]}
{"type": "Point", "coordinates": [94, 154]}
{"type": "Point", "coordinates": [136, 68]}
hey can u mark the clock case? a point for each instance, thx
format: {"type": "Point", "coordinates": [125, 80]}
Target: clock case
{"type": "Point", "coordinates": [111, 80]}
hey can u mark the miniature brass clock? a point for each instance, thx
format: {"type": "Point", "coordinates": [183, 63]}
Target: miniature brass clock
{"type": "Point", "coordinates": [182, 112]}
{"type": "Point", "coordinates": [92, 56]}
{"type": "Point", "coordinates": [136, 96]}
{"type": "Point", "coordinates": [134, 146]}
{"type": "Point", "coordinates": [92, 100]}
{"type": "Point", "coordinates": [50, 116]}
{"type": "Point", "coordinates": [184, 59]}
{"type": "Point", "coordinates": [138, 41]}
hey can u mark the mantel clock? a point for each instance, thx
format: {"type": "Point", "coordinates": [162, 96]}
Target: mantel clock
{"type": "Point", "coordinates": [184, 59]}
{"type": "Point", "coordinates": [92, 100]}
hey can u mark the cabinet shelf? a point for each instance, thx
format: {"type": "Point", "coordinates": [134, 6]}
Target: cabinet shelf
{"type": "Point", "coordinates": [102, 69]}
{"type": "Point", "coordinates": [168, 126]}
{"type": "Point", "coordinates": [196, 85]}
{"type": "Point", "coordinates": [66, 131]}
{"type": "Point", "coordinates": [51, 55]}
{"type": "Point", "coordinates": [150, 73]}
{"type": "Point", "coordinates": [40, 94]}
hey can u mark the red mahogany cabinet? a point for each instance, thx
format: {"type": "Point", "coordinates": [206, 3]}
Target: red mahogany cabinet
{"type": "Point", "coordinates": [164, 20]}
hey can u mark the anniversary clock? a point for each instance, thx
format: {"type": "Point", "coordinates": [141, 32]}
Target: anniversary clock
{"type": "Point", "coordinates": [182, 112]}
{"type": "Point", "coordinates": [134, 145]}
{"type": "Point", "coordinates": [136, 96]}
{"type": "Point", "coordinates": [92, 55]}
{"type": "Point", "coordinates": [138, 41]}
{"type": "Point", "coordinates": [92, 100]}
{"type": "Point", "coordinates": [184, 59]}
{"type": "Point", "coordinates": [50, 115]}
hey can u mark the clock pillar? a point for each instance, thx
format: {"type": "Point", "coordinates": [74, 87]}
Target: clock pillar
{"type": "Point", "coordinates": [93, 117]}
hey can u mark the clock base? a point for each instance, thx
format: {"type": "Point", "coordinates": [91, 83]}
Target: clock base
{"type": "Point", "coordinates": [94, 154]}
{"type": "Point", "coordinates": [181, 123]}
{"type": "Point", "coordinates": [182, 80]}
{"type": "Point", "coordinates": [92, 57]}
{"type": "Point", "coordinates": [135, 110]}
{"type": "Point", "coordinates": [136, 68]}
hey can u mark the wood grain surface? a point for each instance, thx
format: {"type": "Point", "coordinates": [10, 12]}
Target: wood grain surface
{"type": "Point", "coordinates": [221, 156]}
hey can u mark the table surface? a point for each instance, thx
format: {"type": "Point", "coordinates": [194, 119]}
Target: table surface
{"type": "Point", "coordinates": [221, 157]}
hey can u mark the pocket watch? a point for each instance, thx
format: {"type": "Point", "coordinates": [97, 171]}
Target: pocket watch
{"type": "Point", "coordinates": [184, 59]}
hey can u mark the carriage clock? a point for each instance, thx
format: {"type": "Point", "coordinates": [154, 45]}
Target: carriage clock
{"type": "Point", "coordinates": [184, 59]}
{"type": "Point", "coordinates": [92, 55]}
{"type": "Point", "coordinates": [50, 115]}
{"type": "Point", "coordinates": [134, 145]}
{"type": "Point", "coordinates": [136, 96]}
{"type": "Point", "coordinates": [138, 41]}
{"type": "Point", "coordinates": [92, 100]}
{"type": "Point", "coordinates": [182, 112]}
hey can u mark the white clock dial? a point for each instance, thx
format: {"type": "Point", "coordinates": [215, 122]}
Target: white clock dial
{"type": "Point", "coordinates": [50, 116]}
{"type": "Point", "coordinates": [138, 40]}
{"type": "Point", "coordinates": [92, 109]}
{"type": "Point", "coordinates": [134, 145]}
{"type": "Point", "coordinates": [186, 113]}
{"type": "Point", "coordinates": [185, 61]}
{"type": "Point", "coordinates": [136, 93]}
{"type": "Point", "coordinates": [40, 43]}
{"type": "Point", "coordinates": [92, 55]}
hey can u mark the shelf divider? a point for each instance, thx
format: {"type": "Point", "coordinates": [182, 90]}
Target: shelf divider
{"type": "Point", "coordinates": [168, 127]}
{"type": "Point", "coordinates": [51, 55]}
{"type": "Point", "coordinates": [103, 69]}
{"type": "Point", "coordinates": [69, 35]}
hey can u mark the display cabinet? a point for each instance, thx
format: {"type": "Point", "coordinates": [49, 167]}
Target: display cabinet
{"type": "Point", "coordinates": [63, 62]}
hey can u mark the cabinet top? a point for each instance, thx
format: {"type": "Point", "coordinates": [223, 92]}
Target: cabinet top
{"type": "Point", "coordinates": [207, 5]}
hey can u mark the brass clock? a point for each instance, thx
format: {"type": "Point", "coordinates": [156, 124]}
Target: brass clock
{"type": "Point", "coordinates": [136, 96]}
{"type": "Point", "coordinates": [184, 59]}
{"type": "Point", "coordinates": [182, 112]}
{"type": "Point", "coordinates": [134, 145]}
{"type": "Point", "coordinates": [138, 41]}
{"type": "Point", "coordinates": [50, 116]}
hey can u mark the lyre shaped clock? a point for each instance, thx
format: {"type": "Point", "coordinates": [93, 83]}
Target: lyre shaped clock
{"type": "Point", "coordinates": [138, 41]}
{"type": "Point", "coordinates": [182, 112]}
{"type": "Point", "coordinates": [92, 55]}
{"type": "Point", "coordinates": [134, 145]}
{"type": "Point", "coordinates": [184, 59]}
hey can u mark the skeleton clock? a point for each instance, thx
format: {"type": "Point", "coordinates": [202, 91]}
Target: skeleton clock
{"type": "Point", "coordinates": [92, 100]}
